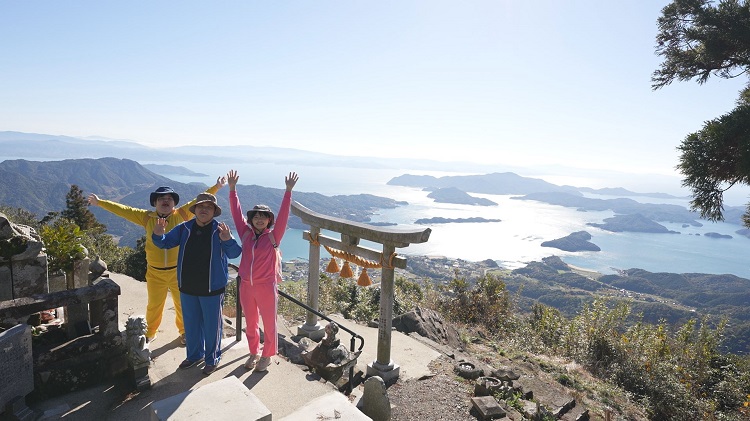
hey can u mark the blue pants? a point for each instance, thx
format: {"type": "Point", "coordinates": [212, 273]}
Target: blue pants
{"type": "Point", "coordinates": [203, 327]}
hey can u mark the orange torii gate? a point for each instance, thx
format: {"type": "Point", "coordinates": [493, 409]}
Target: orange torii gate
{"type": "Point", "coordinates": [351, 232]}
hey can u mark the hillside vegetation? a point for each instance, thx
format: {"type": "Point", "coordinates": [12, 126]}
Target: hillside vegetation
{"type": "Point", "coordinates": [604, 352]}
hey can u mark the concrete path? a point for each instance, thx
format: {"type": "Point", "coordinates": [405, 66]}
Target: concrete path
{"type": "Point", "coordinates": [284, 389]}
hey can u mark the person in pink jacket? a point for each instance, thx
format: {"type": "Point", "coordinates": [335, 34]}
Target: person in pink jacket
{"type": "Point", "coordinates": [260, 268]}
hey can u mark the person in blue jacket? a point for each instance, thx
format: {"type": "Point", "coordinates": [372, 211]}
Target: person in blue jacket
{"type": "Point", "coordinates": [205, 247]}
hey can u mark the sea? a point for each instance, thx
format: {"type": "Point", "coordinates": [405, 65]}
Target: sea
{"type": "Point", "coordinates": [516, 239]}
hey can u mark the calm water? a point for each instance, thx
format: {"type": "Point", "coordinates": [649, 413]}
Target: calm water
{"type": "Point", "coordinates": [517, 238]}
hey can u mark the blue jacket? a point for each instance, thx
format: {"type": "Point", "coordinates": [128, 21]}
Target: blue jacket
{"type": "Point", "coordinates": [220, 251]}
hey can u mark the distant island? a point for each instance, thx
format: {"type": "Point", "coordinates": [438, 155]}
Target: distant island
{"type": "Point", "coordinates": [454, 195]}
{"type": "Point", "coordinates": [172, 170]}
{"type": "Point", "coordinates": [382, 224]}
{"type": "Point", "coordinates": [439, 220]}
{"type": "Point", "coordinates": [716, 235]}
{"type": "Point", "coordinates": [527, 188]}
{"type": "Point", "coordinates": [621, 192]}
{"type": "Point", "coordinates": [577, 241]}
{"type": "Point", "coordinates": [632, 223]}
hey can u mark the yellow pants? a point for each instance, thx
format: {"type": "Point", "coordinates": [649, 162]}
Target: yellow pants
{"type": "Point", "coordinates": [158, 282]}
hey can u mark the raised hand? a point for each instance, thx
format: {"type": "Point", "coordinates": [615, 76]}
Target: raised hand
{"type": "Point", "coordinates": [291, 180]}
{"type": "Point", "coordinates": [232, 179]}
{"type": "Point", "coordinates": [161, 226]}
{"type": "Point", "coordinates": [224, 232]}
{"type": "Point", "coordinates": [93, 200]}
{"type": "Point", "coordinates": [221, 181]}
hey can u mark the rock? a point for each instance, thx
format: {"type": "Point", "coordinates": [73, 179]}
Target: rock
{"type": "Point", "coordinates": [375, 402]}
{"type": "Point", "coordinates": [23, 263]}
{"type": "Point", "coordinates": [505, 374]}
{"type": "Point", "coordinates": [430, 324]}
{"type": "Point", "coordinates": [487, 408]}
{"type": "Point", "coordinates": [96, 268]}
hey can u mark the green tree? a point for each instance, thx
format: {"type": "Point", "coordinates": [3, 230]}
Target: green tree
{"type": "Point", "coordinates": [76, 209]}
{"type": "Point", "coordinates": [698, 39]}
{"type": "Point", "coordinates": [20, 216]}
{"type": "Point", "coordinates": [64, 244]}
{"type": "Point", "coordinates": [135, 262]}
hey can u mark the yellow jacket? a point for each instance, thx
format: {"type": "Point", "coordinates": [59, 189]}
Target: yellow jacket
{"type": "Point", "coordinates": [155, 256]}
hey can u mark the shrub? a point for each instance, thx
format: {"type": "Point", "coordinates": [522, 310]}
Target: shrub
{"type": "Point", "coordinates": [64, 244]}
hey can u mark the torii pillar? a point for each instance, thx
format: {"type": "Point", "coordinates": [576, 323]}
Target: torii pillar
{"type": "Point", "coordinates": [351, 232]}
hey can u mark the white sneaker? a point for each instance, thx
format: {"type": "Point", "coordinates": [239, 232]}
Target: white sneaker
{"type": "Point", "coordinates": [250, 363]}
{"type": "Point", "coordinates": [263, 364]}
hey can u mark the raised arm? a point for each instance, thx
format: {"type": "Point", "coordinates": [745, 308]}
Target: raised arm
{"type": "Point", "coordinates": [279, 226]}
{"type": "Point", "coordinates": [184, 210]}
{"type": "Point", "coordinates": [134, 215]}
{"type": "Point", "coordinates": [240, 224]}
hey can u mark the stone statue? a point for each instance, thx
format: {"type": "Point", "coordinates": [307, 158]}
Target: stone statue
{"type": "Point", "coordinates": [138, 351]}
{"type": "Point", "coordinates": [329, 358]}
{"type": "Point", "coordinates": [332, 329]}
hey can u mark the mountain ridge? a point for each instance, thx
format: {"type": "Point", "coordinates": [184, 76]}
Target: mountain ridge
{"type": "Point", "coordinates": [41, 186]}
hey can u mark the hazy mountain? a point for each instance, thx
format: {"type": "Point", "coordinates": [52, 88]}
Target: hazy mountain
{"type": "Point", "coordinates": [40, 187]}
{"type": "Point", "coordinates": [35, 146]}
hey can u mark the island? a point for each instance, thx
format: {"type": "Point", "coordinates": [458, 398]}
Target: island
{"type": "Point", "coordinates": [439, 220]}
{"type": "Point", "coordinates": [577, 241]}
{"type": "Point", "coordinates": [632, 223]}
{"type": "Point", "coordinates": [459, 197]}
{"type": "Point", "coordinates": [717, 235]}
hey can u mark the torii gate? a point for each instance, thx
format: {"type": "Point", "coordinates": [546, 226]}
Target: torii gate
{"type": "Point", "coordinates": [351, 232]}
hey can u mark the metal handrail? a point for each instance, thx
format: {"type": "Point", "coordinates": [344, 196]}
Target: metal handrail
{"type": "Point", "coordinates": [238, 320]}
{"type": "Point", "coordinates": [323, 316]}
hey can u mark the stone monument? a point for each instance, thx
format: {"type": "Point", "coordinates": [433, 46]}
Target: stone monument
{"type": "Point", "coordinates": [23, 263]}
{"type": "Point", "coordinates": [139, 355]}
{"type": "Point", "coordinates": [17, 368]}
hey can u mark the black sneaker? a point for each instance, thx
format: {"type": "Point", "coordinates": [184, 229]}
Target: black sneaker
{"type": "Point", "coordinates": [208, 369]}
{"type": "Point", "coordinates": [187, 363]}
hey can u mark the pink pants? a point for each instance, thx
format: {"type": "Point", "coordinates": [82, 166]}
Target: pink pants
{"type": "Point", "coordinates": [260, 301]}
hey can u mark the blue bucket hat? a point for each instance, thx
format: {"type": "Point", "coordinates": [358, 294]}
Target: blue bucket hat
{"type": "Point", "coordinates": [161, 191]}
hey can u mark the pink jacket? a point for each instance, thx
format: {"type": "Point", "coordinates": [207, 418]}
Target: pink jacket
{"type": "Point", "coordinates": [260, 262]}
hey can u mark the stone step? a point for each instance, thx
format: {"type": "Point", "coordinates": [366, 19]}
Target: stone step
{"type": "Point", "coordinates": [220, 400]}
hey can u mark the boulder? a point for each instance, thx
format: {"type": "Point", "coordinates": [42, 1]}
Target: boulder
{"type": "Point", "coordinates": [430, 324]}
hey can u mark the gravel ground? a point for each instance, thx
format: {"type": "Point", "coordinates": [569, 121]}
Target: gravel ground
{"type": "Point", "coordinates": [444, 396]}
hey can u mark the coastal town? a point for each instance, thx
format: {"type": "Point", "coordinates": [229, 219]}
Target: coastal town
{"type": "Point", "coordinates": [435, 268]}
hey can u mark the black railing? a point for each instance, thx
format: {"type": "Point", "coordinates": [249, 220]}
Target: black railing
{"type": "Point", "coordinates": [238, 320]}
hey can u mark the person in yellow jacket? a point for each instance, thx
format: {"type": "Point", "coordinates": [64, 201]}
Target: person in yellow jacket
{"type": "Point", "coordinates": [161, 274]}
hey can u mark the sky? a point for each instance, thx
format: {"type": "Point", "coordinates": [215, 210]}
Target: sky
{"type": "Point", "coordinates": [519, 82]}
